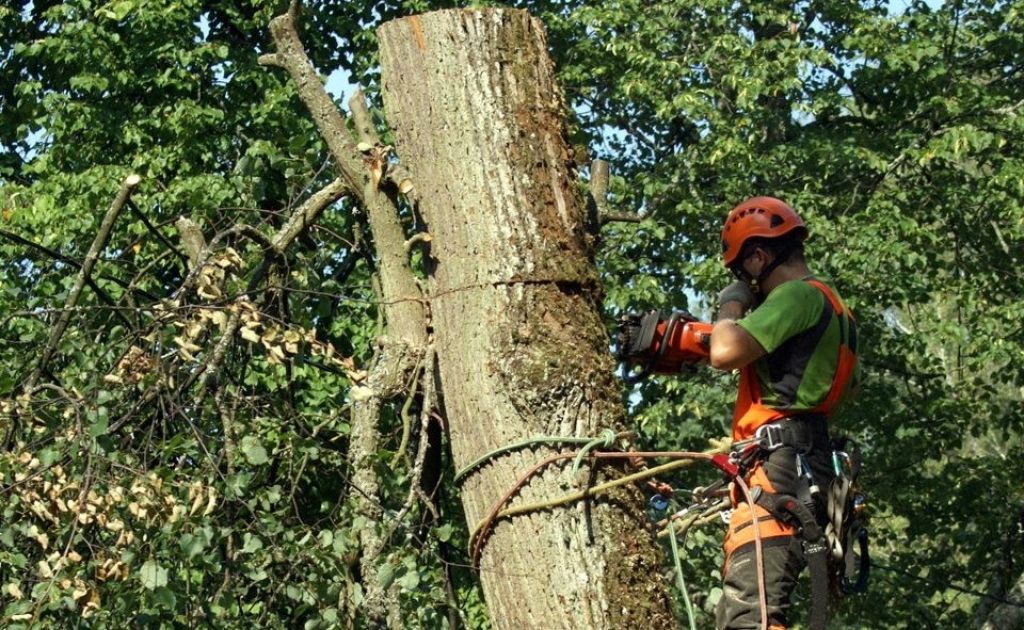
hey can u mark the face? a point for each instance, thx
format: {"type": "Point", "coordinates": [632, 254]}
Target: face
{"type": "Point", "coordinates": [756, 262]}
{"type": "Point", "coordinates": [751, 266]}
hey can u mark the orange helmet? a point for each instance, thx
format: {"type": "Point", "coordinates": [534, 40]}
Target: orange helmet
{"type": "Point", "coordinates": [758, 217]}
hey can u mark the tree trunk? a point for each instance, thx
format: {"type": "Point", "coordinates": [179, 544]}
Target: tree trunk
{"type": "Point", "coordinates": [515, 306]}
{"type": "Point", "coordinates": [1004, 610]}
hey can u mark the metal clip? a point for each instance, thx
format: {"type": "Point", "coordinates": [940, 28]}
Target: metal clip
{"type": "Point", "coordinates": [841, 463]}
{"type": "Point", "coordinates": [726, 516]}
{"type": "Point", "coordinates": [770, 436]}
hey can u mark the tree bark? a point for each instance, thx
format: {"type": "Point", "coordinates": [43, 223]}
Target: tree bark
{"type": "Point", "coordinates": [516, 313]}
{"type": "Point", "coordinates": [1002, 609]}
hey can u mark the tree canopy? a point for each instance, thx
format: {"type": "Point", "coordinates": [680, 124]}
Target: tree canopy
{"type": "Point", "coordinates": [179, 454]}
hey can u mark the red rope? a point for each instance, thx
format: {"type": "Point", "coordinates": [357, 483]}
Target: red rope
{"type": "Point", "coordinates": [486, 526]}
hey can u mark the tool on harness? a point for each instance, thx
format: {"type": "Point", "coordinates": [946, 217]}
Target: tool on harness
{"type": "Point", "coordinates": [850, 562]}
{"type": "Point", "coordinates": [658, 502]}
{"type": "Point", "coordinates": [660, 345]}
{"type": "Point", "coordinates": [836, 552]}
{"type": "Point", "coordinates": [796, 513]}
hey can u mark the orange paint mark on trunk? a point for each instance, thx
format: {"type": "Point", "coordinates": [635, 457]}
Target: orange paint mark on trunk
{"type": "Point", "coordinates": [417, 33]}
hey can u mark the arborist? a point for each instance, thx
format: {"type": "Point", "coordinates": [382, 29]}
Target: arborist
{"type": "Point", "coordinates": [794, 342]}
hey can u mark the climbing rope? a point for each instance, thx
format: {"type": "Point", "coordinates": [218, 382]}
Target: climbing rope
{"type": "Point", "coordinates": [482, 530]}
{"type": "Point", "coordinates": [607, 440]}
{"type": "Point", "coordinates": [758, 549]}
{"type": "Point", "coordinates": [680, 459]}
{"type": "Point", "coordinates": [680, 576]}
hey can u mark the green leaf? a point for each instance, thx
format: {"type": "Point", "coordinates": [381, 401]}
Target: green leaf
{"type": "Point", "coordinates": [152, 575]}
{"type": "Point", "coordinates": [444, 532]}
{"type": "Point", "coordinates": [385, 575]}
{"type": "Point", "coordinates": [410, 580]}
{"type": "Point", "coordinates": [100, 426]}
{"type": "Point", "coordinates": [254, 451]}
{"type": "Point", "coordinates": [192, 545]}
{"type": "Point", "coordinates": [251, 543]}
{"type": "Point", "coordinates": [165, 598]}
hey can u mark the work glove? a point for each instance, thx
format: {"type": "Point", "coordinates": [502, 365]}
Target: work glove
{"type": "Point", "coordinates": [738, 291]}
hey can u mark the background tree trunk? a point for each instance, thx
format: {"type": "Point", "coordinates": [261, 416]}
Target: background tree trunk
{"type": "Point", "coordinates": [1001, 611]}
{"type": "Point", "coordinates": [515, 305]}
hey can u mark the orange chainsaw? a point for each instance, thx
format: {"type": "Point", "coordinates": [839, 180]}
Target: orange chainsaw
{"type": "Point", "coordinates": [653, 344]}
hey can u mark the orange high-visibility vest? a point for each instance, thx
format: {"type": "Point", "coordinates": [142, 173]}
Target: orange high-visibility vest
{"type": "Point", "coordinates": [750, 413]}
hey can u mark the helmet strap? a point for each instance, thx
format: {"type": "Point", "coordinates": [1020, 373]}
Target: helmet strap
{"type": "Point", "coordinates": [755, 282]}
{"type": "Point", "coordinates": [781, 257]}
{"type": "Point", "coordinates": [741, 274]}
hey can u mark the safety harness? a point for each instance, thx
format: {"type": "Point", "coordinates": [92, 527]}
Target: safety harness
{"type": "Point", "coordinates": [836, 555]}
{"type": "Point", "coordinates": [828, 551]}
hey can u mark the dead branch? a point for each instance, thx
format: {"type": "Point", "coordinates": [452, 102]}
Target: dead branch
{"type": "Point", "coordinates": [306, 214]}
{"type": "Point", "coordinates": [291, 57]}
{"type": "Point", "coordinates": [98, 244]}
{"type": "Point", "coordinates": [600, 174]}
{"type": "Point", "coordinates": [401, 297]}
{"type": "Point", "coordinates": [406, 314]}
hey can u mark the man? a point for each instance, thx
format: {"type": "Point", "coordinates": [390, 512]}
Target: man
{"type": "Point", "coordinates": [794, 343]}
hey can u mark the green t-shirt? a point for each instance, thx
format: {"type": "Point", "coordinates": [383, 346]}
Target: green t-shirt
{"type": "Point", "coordinates": [797, 329]}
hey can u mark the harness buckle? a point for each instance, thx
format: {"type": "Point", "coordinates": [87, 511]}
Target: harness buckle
{"type": "Point", "coordinates": [770, 436]}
